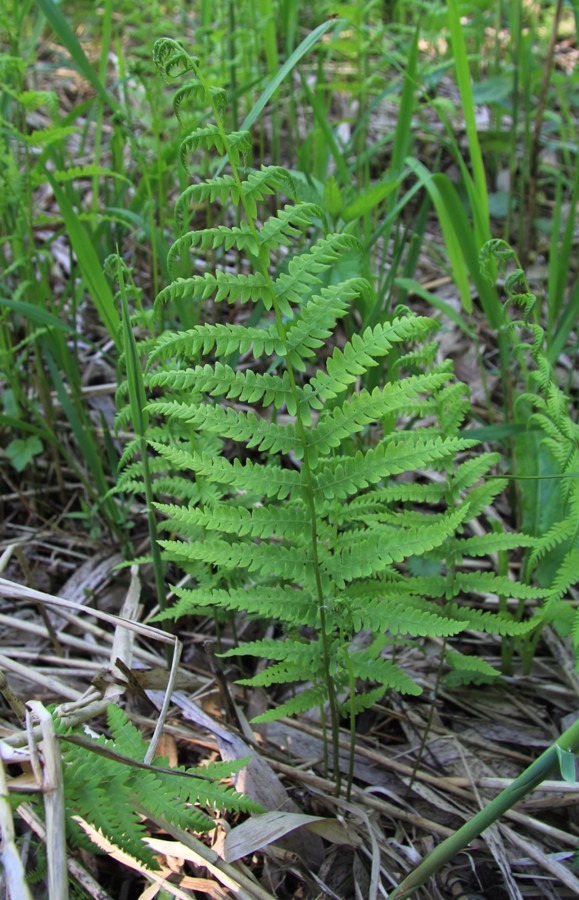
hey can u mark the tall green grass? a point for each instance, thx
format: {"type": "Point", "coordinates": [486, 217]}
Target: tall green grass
{"type": "Point", "coordinates": [315, 85]}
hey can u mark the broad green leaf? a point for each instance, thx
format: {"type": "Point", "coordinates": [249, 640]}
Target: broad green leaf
{"type": "Point", "coordinates": [22, 451]}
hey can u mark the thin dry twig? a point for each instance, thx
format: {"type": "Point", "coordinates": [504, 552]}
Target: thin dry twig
{"type": "Point", "coordinates": [389, 809]}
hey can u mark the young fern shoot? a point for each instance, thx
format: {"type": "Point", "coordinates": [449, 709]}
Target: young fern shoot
{"type": "Point", "coordinates": [304, 521]}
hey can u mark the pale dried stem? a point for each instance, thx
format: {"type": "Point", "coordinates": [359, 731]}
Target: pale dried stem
{"type": "Point", "coordinates": [54, 809]}
{"type": "Point", "coordinates": [45, 681]}
{"type": "Point", "coordinates": [14, 873]}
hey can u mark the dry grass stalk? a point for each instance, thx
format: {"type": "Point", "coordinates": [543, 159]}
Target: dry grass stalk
{"type": "Point", "coordinates": [122, 646]}
{"type": "Point", "coordinates": [14, 873]}
{"type": "Point", "coordinates": [54, 808]}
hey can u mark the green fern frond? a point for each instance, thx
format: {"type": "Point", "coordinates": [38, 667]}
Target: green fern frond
{"type": "Point", "coordinates": [377, 500]}
{"type": "Point", "coordinates": [195, 93]}
{"type": "Point", "coordinates": [318, 317]}
{"type": "Point", "coordinates": [568, 573]}
{"type": "Point", "coordinates": [290, 222]}
{"type": "Point", "coordinates": [269, 535]}
{"type": "Point", "coordinates": [266, 481]}
{"type": "Point", "coordinates": [411, 587]}
{"type": "Point", "coordinates": [575, 633]}
{"type": "Point", "coordinates": [345, 366]}
{"type": "Point", "coordinates": [472, 664]}
{"type": "Point", "coordinates": [237, 426]}
{"type": "Point", "coordinates": [273, 234]}
{"type": "Point", "coordinates": [362, 701]}
{"type": "Point", "coordinates": [261, 521]}
{"type": "Point", "coordinates": [293, 606]}
{"type": "Point", "coordinates": [288, 563]}
{"type": "Point", "coordinates": [489, 583]}
{"type": "Point", "coordinates": [33, 100]}
{"type": "Point", "coordinates": [558, 534]}
{"type": "Point", "coordinates": [470, 472]}
{"type": "Point", "coordinates": [454, 406]}
{"type": "Point", "coordinates": [221, 380]}
{"type": "Point", "coordinates": [259, 184]}
{"type": "Point", "coordinates": [115, 769]}
{"type": "Point", "coordinates": [171, 58]}
{"type": "Point", "coordinates": [486, 544]}
{"type": "Point", "coordinates": [278, 673]}
{"type": "Point", "coordinates": [135, 469]}
{"type": "Point", "coordinates": [489, 622]}
{"type": "Point", "coordinates": [281, 651]}
{"type": "Point", "coordinates": [480, 498]}
{"type": "Point", "coordinates": [399, 618]}
{"type": "Point", "coordinates": [44, 137]}
{"type": "Point", "coordinates": [74, 173]}
{"type": "Point", "coordinates": [241, 237]}
{"type": "Point", "coordinates": [303, 271]}
{"type": "Point", "coordinates": [355, 413]}
{"type": "Point", "coordinates": [290, 659]}
{"type": "Point", "coordinates": [421, 358]}
{"type": "Point", "coordinates": [369, 555]}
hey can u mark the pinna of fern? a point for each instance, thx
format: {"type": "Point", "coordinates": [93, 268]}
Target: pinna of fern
{"type": "Point", "coordinates": [282, 533]}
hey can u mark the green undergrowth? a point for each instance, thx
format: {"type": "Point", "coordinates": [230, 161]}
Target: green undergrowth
{"type": "Point", "coordinates": [316, 89]}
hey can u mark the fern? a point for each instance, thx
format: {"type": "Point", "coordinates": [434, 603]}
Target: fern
{"type": "Point", "coordinates": [108, 785]}
{"type": "Point", "coordinates": [547, 447]}
{"type": "Point", "coordinates": [305, 521]}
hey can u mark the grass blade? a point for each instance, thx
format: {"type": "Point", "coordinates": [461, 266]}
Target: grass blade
{"type": "Point", "coordinates": [465, 89]}
{"type": "Point", "coordinates": [89, 264]}
{"type": "Point", "coordinates": [36, 314]}
{"type": "Point", "coordinates": [529, 780]}
{"type": "Point", "coordinates": [290, 63]}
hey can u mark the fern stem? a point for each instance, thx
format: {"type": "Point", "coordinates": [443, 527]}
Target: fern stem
{"type": "Point", "coordinates": [352, 683]}
{"type": "Point", "coordinates": [263, 263]}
